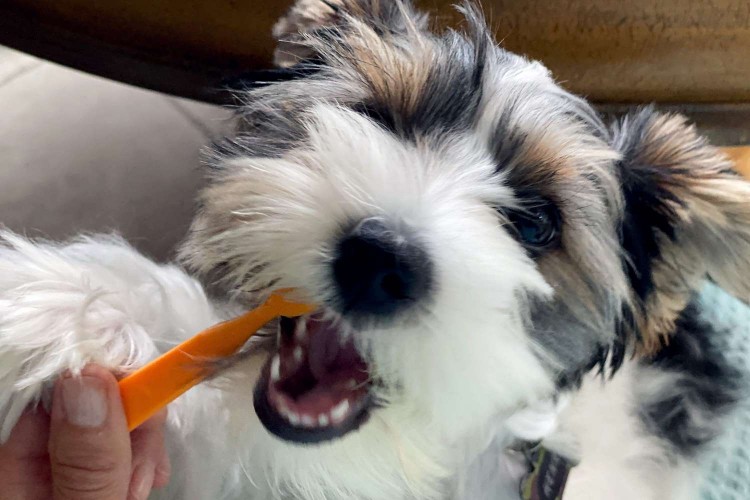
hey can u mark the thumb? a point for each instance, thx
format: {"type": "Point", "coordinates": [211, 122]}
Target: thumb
{"type": "Point", "coordinates": [89, 444]}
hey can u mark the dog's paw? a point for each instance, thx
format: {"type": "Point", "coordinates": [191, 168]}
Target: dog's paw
{"type": "Point", "coordinates": [92, 301]}
{"type": "Point", "coordinates": [302, 17]}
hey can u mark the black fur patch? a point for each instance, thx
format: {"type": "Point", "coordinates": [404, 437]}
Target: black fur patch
{"type": "Point", "coordinates": [247, 81]}
{"type": "Point", "coordinates": [453, 89]}
{"type": "Point", "coordinates": [576, 346]}
{"type": "Point", "coordinates": [256, 145]}
{"type": "Point", "coordinates": [264, 132]}
{"type": "Point", "coordinates": [648, 216]}
{"type": "Point", "coordinates": [379, 114]}
{"type": "Point", "coordinates": [707, 385]}
{"type": "Point", "coordinates": [507, 142]}
{"type": "Point", "coordinates": [448, 100]}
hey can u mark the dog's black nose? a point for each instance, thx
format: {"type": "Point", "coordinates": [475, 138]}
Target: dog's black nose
{"type": "Point", "coordinates": [379, 270]}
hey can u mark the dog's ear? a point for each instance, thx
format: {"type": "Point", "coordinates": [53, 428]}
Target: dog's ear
{"type": "Point", "coordinates": [305, 17]}
{"type": "Point", "coordinates": [686, 216]}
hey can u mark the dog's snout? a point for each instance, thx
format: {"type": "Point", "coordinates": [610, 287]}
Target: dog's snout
{"type": "Point", "coordinates": [380, 270]}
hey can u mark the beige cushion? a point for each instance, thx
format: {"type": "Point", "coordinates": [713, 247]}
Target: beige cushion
{"type": "Point", "coordinates": [81, 154]}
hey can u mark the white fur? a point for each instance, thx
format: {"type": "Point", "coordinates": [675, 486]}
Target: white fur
{"type": "Point", "coordinates": [619, 459]}
{"type": "Point", "coordinates": [98, 300]}
{"type": "Point", "coordinates": [95, 300]}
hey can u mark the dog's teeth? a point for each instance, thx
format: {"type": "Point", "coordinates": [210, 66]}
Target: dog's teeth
{"type": "Point", "coordinates": [340, 411]}
{"type": "Point", "coordinates": [298, 354]}
{"type": "Point", "coordinates": [323, 420]}
{"type": "Point", "coordinates": [275, 369]}
{"type": "Point", "coordinates": [293, 418]}
{"type": "Point", "coordinates": [300, 332]}
{"type": "Point", "coordinates": [308, 421]}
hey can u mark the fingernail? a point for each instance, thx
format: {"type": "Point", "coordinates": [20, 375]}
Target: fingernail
{"type": "Point", "coordinates": [84, 401]}
{"type": "Point", "coordinates": [142, 482]}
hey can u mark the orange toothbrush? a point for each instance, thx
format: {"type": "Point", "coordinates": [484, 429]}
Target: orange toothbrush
{"type": "Point", "coordinates": [150, 388]}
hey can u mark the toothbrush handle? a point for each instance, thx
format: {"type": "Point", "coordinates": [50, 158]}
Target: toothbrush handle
{"type": "Point", "coordinates": [150, 388]}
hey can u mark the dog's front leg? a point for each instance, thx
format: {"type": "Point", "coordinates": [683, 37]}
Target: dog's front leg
{"type": "Point", "coordinates": [95, 300]}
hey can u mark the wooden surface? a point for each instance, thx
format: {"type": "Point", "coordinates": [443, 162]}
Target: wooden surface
{"type": "Point", "coordinates": [635, 50]}
{"type": "Point", "coordinates": [741, 157]}
{"type": "Point", "coordinates": [607, 50]}
{"type": "Point", "coordinates": [189, 48]}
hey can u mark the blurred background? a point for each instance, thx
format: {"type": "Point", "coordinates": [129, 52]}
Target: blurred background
{"type": "Point", "coordinates": [79, 153]}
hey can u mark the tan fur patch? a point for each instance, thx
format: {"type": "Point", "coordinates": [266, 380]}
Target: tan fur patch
{"type": "Point", "coordinates": [395, 77]}
{"type": "Point", "coordinates": [361, 44]}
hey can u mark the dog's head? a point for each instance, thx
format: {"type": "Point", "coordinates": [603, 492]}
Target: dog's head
{"type": "Point", "coordinates": [474, 234]}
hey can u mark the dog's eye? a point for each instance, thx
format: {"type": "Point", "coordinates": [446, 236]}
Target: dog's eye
{"type": "Point", "coordinates": [537, 227]}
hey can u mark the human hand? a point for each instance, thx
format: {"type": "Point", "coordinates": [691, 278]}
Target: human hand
{"type": "Point", "coordinates": [82, 449]}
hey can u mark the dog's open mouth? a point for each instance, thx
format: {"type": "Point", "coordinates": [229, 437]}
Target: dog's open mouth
{"type": "Point", "coordinates": [316, 387]}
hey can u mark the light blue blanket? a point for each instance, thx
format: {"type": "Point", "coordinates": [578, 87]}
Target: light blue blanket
{"type": "Point", "coordinates": [728, 467]}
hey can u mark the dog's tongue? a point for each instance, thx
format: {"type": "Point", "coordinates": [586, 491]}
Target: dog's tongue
{"type": "Point", "coordinates": [322, 353]}
{"type": "Point", "coordinates": [316, 379]}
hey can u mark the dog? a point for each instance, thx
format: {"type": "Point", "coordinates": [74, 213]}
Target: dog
{"type": "Point", "coordinates": [502, 277]}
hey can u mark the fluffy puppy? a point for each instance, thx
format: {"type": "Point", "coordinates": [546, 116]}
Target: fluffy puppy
{"type": "Point", "coordinates": [493, 264]}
